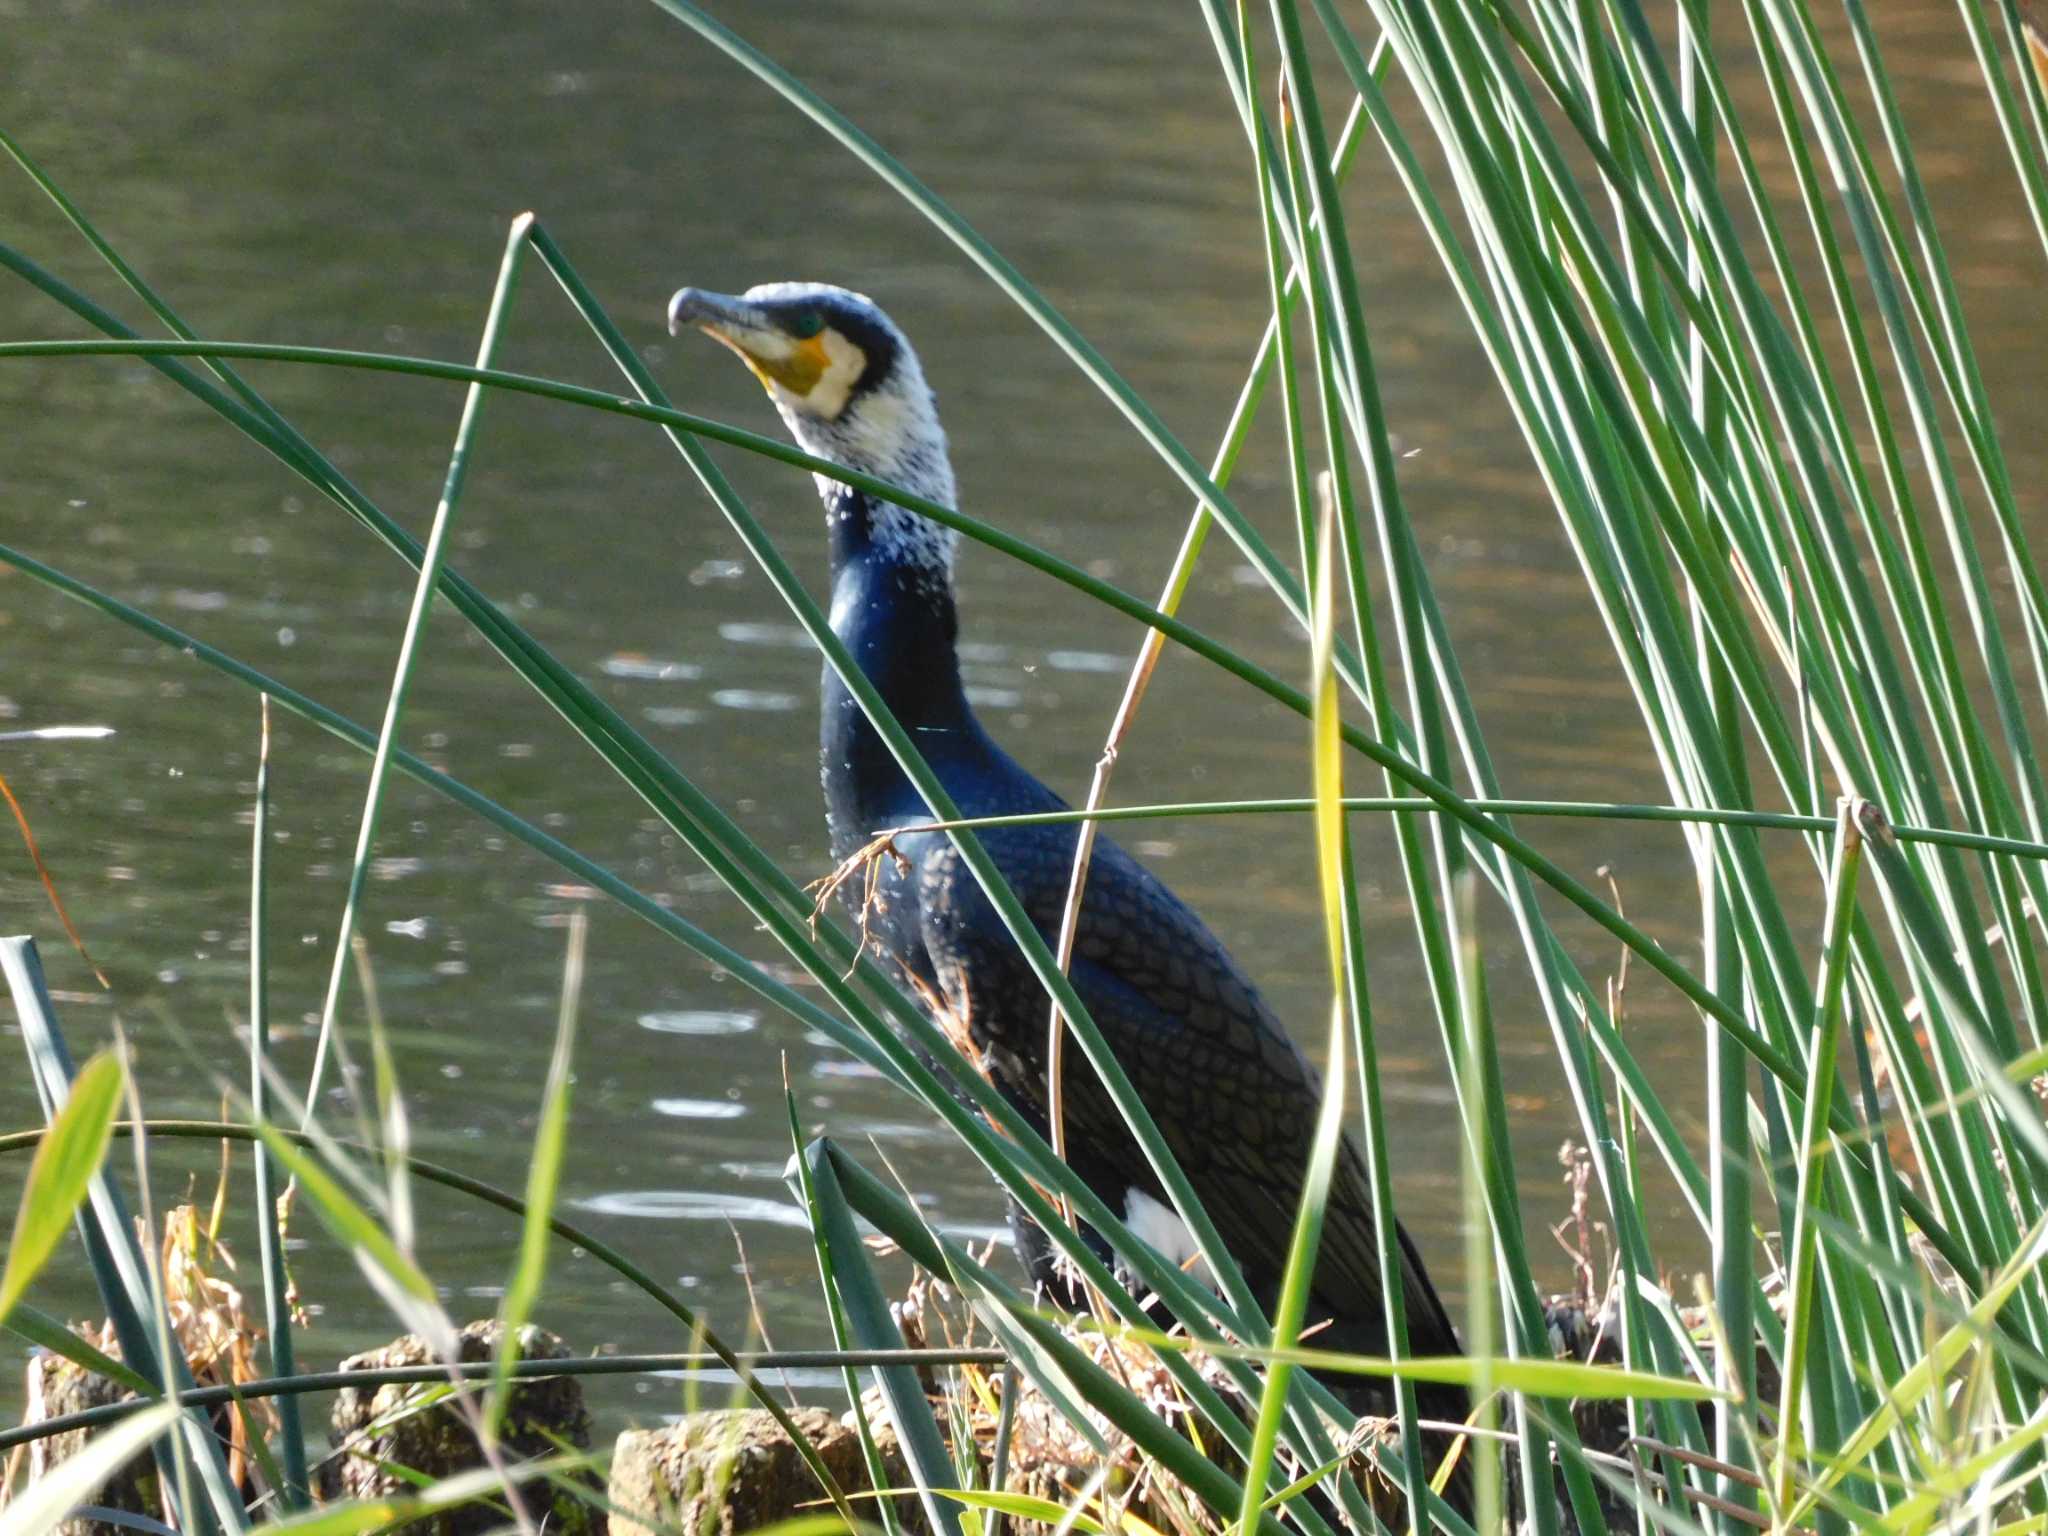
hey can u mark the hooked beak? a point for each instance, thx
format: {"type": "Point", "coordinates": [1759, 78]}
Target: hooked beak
{"type": "Point", "coordinates": [776, 357]}
{"type": "Point", "coordinates": [724, 318]}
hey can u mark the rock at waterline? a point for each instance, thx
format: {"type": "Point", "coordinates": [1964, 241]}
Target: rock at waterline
{"type": "Point", "coordinates": [57, 1386]}
{"type": "Point", "coordinates": [723, 1473]}
{"type": "Point", "coordinates": [542, 1416]}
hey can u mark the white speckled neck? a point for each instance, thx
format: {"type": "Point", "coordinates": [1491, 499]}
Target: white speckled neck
{"type": "Point", "coordinates": [890, 431]}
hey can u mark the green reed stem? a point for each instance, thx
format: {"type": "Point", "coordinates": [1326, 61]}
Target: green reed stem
{"type": "Point", "coordinates": [408, 647]}
{"type": "Point", "coordinates": [296, 1490]}
{"type": "Point", "coordinates": [1821, 1054]}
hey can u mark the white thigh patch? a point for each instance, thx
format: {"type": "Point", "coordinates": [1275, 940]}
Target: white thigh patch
{"type": "Point", "coordinates": [1162, 1227]}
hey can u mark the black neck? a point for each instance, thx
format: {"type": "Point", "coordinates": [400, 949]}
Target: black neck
{"type": "Point", "coordinates": [894, 611]}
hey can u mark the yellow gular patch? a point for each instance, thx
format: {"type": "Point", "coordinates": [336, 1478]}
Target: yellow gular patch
{"type": "Point", "coordinates": [799, 372]}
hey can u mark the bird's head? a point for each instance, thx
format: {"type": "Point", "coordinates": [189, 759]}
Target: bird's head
{"type": "Point", "coordinates": [816, 349]}
{"type": "Point", "coordinates": [843, 376]}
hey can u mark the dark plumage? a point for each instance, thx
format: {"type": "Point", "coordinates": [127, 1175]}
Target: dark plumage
{"type": "Point", "coordinates": [1233, 1096]}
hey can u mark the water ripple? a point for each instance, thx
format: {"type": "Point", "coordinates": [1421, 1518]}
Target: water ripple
{"type": "Point", "coordinates": [762, 699]}
{"type": "Point", "coordinates": [699, 1021]}
{"type": "Point", "coordinates": [1086, 661]}
{"type": "Point", "coordinates": [692, 1205]}
{"type": "Point", "coordinates": [699, 1109]}
{"type": "Point", "coordinates": [764, 634]}
{"type": "Point", "coordinates": [649, 669]}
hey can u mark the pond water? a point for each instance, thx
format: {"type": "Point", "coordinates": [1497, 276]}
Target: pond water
{"type": "Point", "coordinates": [343, 175]}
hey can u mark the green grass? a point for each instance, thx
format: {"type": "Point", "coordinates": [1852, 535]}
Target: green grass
{"type": "Point", "coordinates": [1764, 429]}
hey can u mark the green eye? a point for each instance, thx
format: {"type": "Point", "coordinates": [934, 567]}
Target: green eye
{"type": "Point", "coordinates": [805, 324]}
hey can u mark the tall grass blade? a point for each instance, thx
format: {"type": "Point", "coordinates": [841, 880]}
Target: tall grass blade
{"type": "Point", "coordinates": [395, 1276]}
{"type": "Point", "coordinates": [1275, 356]}
{"type": "Point", "coordinates": [1346, 372]}
{"type": "Point", "coordinates": [408, 649]}
{"type": "Point", "coordinates": [1927, 1375]}
{"type": "Point", "coordinates": [117, 1263]}
{"type": "Point", "coordinates": [842, 1333]}
{"type": "Point", "coordinates": [1481, 1282]}
{"type": "Point", "coordinates": [1821, 1054]}
{"type": "Point", "coordinates": [1043, 1511]}
{"type": "Point", "coordinates": [1948, 1490]}
{"type": "Point", "coordinates": [295, 1491]}
{"type": "Point", "coordinates": [1348, 400]}
{"type": "Point", "coordinates": [1328, 767]}
{"type": "Point", "coordinates": [66, 1161]}
{"type": "Point", "coordinates": [2027, 30]}
{"type": "Point", "coordinates": [543, 1182]}
{"type": "Point", "coordinates": [867, 1314]}
{"type": "Point", "coordinates": [1727, 1070]}
{"type": "Point", "coordinates": [1561, 1379]}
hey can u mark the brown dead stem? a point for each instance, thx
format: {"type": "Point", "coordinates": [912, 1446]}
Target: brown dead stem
{"type": "Point", "coordinates": [861, 861]}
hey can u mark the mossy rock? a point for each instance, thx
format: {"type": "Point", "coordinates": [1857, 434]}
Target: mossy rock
{"type": "Point", "coordinates": [540, 1417]}
{"type": "Point", "coordinates": [726, 1472]}
{"type": "Point", "coordinates": [57, 1386]}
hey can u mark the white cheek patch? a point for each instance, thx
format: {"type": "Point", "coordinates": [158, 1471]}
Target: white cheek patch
{"type": "Point", "coordinates": [1159, 1225]}
{"type": "Point", "coordinates": [892, 431]}
{"type": "Point", "coordinates": [843, 367]}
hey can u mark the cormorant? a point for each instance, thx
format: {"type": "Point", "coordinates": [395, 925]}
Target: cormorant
{"type": "Point", "coordinates": [1232, 1095]}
